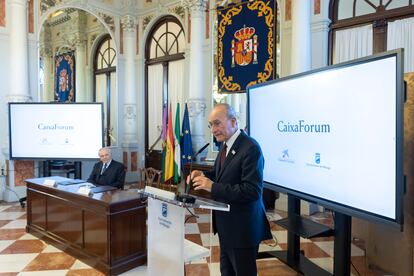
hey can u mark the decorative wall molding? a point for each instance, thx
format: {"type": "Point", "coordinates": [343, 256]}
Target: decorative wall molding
{"type": "Point", "coordinates": [45, 51]}
{"type": "Point", "coordinates": [147, 19]}
{"type": "Point", "coordinates": [108, 19]}
{"type": "Point", "coordinates": [178, 10]}
{"type": "Point", "coordinates": [47, 4]}
{"type": "Point", "coordinates": [129, 5]}
{"type": "Point", "coordinates": [195, 5]}
{"type": "Point", "coordinates": [130, 111]}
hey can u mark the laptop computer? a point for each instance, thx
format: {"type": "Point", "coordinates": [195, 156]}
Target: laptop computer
{"type": "Point", "coordinates": [71, 182]}
{"type": "Point", "coordinates": [101, 189]}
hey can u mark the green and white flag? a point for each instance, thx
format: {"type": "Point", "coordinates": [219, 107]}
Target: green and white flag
{"type": "Point", "coordinates": [177, 149]}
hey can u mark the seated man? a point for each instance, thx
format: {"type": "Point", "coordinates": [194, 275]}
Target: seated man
{"type": "Point", "coordinates": [107, 172]}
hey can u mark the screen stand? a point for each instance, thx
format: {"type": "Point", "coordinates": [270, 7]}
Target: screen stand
{"type": "Point", "coordinates": [78, 170]}
{"type": "Point", "coordinates": [342, 244]}
{"type": "Point", "coordinates": [46, 168]}
{"type": "Point", "coordinates": [298, 226]}
{"type": "Point", "coordinates": [293, 239]}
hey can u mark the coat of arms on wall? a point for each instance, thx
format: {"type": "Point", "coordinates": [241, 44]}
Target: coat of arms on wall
{"type": "Point", "coordinates": [65, 77]}
{"type": "Point", "coordinates": [244, 50]}
{"type": "Point", "coordinates": [245, 44]}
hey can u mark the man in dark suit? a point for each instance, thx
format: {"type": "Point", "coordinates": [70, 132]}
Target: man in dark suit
{"type": "Point", "coordinates": [237, 179]}
{"type": "Point", "coordinates": [107, 172]}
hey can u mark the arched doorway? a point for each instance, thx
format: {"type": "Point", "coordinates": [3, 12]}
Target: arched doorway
{"type": "Point", "coordinates": [104, 69]}
{"type": "Point", "coordinates": [164, 79]}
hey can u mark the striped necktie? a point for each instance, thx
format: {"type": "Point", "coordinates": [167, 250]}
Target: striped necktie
{"type": "Point", "coordinates": [223, 155]}
{"type": "Point", "coordinates": [104, 168]}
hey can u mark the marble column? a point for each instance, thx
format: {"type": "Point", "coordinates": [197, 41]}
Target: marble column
{"type": "Point", "coordinates": [48, 89]}
{"type": "Point", "coordinates": [300, 61]}
{"type": "Point", "coordinates": [301, 55]}
{"type": "Point", "coordinates": [19, 87]}
{"type": "Point", "coordinates": [46, 54]}
{"type": "Point", "coordinates": [141, 93]}
{"type": "Point", "coordinates": [80, 60]}
{"type": "Point", "coordinates": [130, 93]}
{"type": "Point", "coordinates": [197, 86]}
{"type": "Point", "coordinates": [19, 64]}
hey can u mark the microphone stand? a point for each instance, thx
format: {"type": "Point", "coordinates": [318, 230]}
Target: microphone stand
{"type": "Point", "coordinates": [186, 197]}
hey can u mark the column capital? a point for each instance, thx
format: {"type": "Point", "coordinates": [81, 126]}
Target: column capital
{"type": "Point", "coordinates": [196, 107]}
{"type": "Point", "coordinates": [18, 98]}
{"type": "Point", "coordinates": [128, 23]}
{"type": "Point", "coordinates": [45, 50]}
{"type": "Point", "coordinates": [195, 6]}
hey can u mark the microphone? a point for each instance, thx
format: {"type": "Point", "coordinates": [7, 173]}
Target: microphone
{"type": "Point", "coordinates": [201, 150]}
{"type": "Point", "coordinates": [186, 198]}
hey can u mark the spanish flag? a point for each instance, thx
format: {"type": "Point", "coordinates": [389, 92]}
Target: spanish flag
{"type": "Point", "coordinates": [169, 155]}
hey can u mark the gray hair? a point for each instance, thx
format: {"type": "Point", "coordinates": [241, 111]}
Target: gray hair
{"type": "Point", "coordinates": [108, 149]}
{"type": "Point", "coordinates": [231, 114]}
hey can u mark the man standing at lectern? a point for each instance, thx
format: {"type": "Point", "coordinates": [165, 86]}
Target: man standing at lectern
{"type": "Point", "coordinates": [107, 172]}
{"type": "Point", "coordinates": [237, 179]}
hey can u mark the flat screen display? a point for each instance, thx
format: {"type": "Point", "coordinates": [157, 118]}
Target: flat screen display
{"type": "Point", "coordinates": [334, 136]}
{"type": "Point", "coordinates": [55, 131]}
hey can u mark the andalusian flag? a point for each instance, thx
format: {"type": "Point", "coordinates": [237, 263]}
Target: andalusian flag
{"type": "Point", "coordinates": [169, 153]}
{"type": "Point", "coordinates": [177, 149]}
{"type": "Point", "coordinates": [164, 138]}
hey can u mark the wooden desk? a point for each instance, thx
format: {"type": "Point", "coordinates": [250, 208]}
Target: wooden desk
{"type": "Point", "coordinates": [106, 230]}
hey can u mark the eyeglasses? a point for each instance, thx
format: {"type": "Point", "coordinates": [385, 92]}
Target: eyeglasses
{"type": "Point", "coordinates": [215, 123]}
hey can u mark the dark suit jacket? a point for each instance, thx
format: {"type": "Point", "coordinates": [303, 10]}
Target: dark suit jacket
{"type": "Point", "coordinates": [240, 184]}
{"type": "Point", "coordinates": [114, 175]}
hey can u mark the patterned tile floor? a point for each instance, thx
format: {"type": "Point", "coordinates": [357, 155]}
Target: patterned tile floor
{"type": "Point", "coordinates": [23, 254]}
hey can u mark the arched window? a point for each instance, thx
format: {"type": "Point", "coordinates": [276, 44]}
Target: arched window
{"type": "Point", "coordinates": [364, 23]}
{"type": "Point", "coordinates": [164, 79]}
{"type": "Point", "coordinates": [105, 85]}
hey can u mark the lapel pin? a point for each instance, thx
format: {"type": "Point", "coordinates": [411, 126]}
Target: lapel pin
{"type": "Point", "coordinates": [233, 152]}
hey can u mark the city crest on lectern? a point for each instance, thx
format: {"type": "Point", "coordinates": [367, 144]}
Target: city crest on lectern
{"type": "Point", "coordinates": [164, 210]}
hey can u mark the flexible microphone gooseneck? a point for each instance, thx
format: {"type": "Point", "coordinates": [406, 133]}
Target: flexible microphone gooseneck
{"type": "Point", "coordinates": [186, 198]}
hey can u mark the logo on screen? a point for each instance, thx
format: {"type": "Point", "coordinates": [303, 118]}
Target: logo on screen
{"type": "Point", "coordinates": [285, 157]}
{"type": "Point", "coordinates": [317, 158]}
{"type": "Point", "coordinates": [164, 210]}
